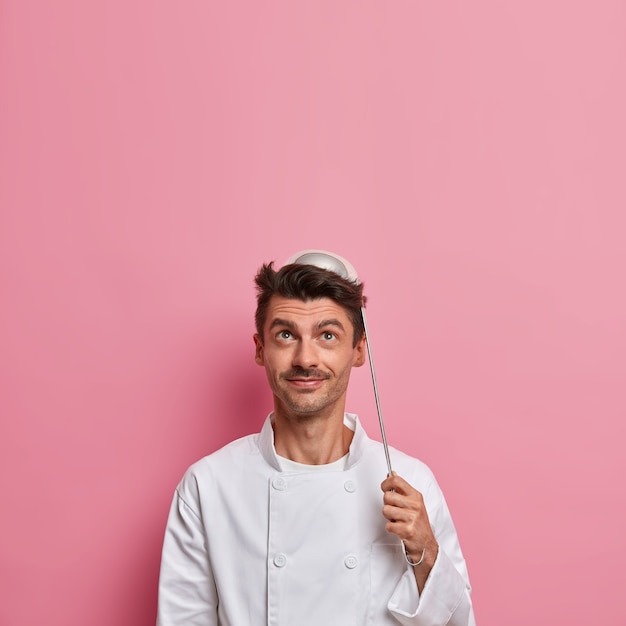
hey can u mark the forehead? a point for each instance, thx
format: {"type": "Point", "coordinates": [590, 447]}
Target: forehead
{"type": "Point", "coordinates": [306, 312]}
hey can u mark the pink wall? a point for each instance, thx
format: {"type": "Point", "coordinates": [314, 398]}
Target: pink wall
{"type": "Point", "coordinates": [469, 158]}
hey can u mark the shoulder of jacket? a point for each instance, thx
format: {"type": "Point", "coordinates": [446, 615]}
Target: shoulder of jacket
{"type": "Point", "coordinates": [231, 455]}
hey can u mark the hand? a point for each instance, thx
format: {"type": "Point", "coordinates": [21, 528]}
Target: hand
{"type": "Point", "coordinates": [408, 519]}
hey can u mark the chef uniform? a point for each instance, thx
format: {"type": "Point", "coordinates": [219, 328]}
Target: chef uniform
{"type": "Point", "coordinates": [251, 542]}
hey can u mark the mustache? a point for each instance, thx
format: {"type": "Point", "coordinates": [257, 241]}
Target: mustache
{"type": "Point", "coordinates": [300, 372]}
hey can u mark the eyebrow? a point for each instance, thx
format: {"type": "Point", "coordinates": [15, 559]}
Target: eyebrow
{"type": "Point", "coordinates": [279, 321]}
{"type": "Point", "coordinates": [330, 322]}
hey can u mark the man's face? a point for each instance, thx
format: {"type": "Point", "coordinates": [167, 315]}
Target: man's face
{"type": "Point", "coordinates": [307, 353]}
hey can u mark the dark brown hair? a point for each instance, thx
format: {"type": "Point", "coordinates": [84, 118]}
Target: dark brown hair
{"type": "Point", "coordinates": [308, 282]}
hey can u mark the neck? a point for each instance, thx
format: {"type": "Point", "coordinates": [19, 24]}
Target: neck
{"type": "Point", "coordinates": [312, 440]}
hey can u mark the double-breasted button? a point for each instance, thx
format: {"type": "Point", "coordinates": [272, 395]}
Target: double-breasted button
{"type": "Point", "coordinates": [280, 484]}
{"type": "Point", "coordinates": [349, 486]}
{"type": "Point", "coordinates": [351, 561]}
{"type": "Point", "coordinates": [280, 560]}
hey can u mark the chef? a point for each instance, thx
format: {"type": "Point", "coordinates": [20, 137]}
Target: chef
{"type": "Point", "coordinates": [300, 524]}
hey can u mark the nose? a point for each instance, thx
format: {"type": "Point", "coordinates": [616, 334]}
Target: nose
{"type": "Point", "coordinates": [305, 355]}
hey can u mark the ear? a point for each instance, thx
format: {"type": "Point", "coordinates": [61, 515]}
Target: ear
{"type": "Point", "coordinates": [258, 356]}
{"type": "Point", "coordinates": [360, 352]}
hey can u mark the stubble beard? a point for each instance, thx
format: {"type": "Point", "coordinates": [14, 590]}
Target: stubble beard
{"type": "Point", "coordinates": [306, 404]}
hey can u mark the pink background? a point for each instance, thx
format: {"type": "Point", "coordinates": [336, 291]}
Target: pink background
{"type": "Point", "coordinates": [468, 158]}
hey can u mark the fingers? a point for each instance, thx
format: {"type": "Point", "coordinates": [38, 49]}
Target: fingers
{"type": "Point", "coordinates": [400, 497]}
{"type": "Point", "coordinates": [398, 484]}
{"type": "Point", "coordinates": [406, 530]}
{"type": "Point", "coordinates": [404, 510]}
{"type": "Point", "coordinates": [414, 500]}
{"type": "Point", "coordinates": [411, 514]}
{"type": "Point", "coordinates": [402, 504]}
{"type": "Point", "coordinates": [399, 521]}
{"type": "Point", "coordinates": [410, 527]}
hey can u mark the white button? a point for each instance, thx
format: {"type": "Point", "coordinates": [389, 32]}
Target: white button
{"type": "Point", "coordinates": [349, 486]}
{"type": "Point", "coordinates": [280, 484]}
{"type": "Point", "coordinates": [280, 560]}
{"type": "Point", "coordinates": [351, 561]}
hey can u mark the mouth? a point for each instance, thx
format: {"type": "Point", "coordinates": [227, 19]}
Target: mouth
{"type": "Point", "coordinates": [305, 381]}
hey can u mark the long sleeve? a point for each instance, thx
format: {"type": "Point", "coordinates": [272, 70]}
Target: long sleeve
{"type": "Point", "coordinates": [445, 600]}
{"type": "Point", "coordinates": [187, 594]}
{"type": "Point", "coordinates": [446, 597]}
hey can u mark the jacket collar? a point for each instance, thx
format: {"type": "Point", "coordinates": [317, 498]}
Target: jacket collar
{"type": "Point", "coordinates": [266, 441]}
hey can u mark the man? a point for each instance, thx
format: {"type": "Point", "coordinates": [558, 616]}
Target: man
{"type": "Point", "coordinates": [292, 526]}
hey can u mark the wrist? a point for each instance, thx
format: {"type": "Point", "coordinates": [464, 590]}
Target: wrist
{"type": "Point", "coordinates": [425, 557]}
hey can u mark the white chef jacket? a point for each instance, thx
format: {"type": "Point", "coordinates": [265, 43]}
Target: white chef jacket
{"type": "Point", "coordinates": [248, 544]}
